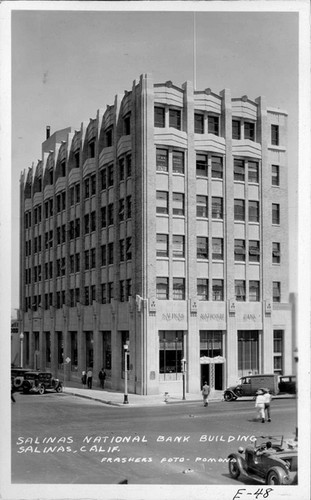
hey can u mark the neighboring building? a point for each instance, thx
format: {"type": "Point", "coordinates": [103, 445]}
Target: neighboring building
{"type": "Point", "coordinates": [15, 342]}
{"type": "Point", "coordinates": [161, 223]}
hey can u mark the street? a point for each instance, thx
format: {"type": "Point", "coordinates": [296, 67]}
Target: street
{"type": "Point", "coordinates": [59, 438]}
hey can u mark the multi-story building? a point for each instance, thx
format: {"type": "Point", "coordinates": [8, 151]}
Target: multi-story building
{"type": "Point", "coordinates": [161, 225]}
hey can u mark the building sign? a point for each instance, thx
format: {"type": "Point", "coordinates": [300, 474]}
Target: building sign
{"type": "Point", "coordinates": [173, 317]}
{"type": "Point", "coordinates": [212, 317]}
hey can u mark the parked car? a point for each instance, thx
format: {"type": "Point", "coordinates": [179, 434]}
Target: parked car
{"type": "Point", "coordinates": [17, 377]}
{"type": "Point", "coordinates": [37, 381]}
{"type": "Point", "coordinates": [249, 385]}
{"type": "Point", "coordinates": [268, 460]}
{"type": "Point", "coordinates": [287, 383]}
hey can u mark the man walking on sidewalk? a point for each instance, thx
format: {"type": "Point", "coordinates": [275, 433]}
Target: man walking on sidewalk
{"type": "Point", "coordinates": [205, 393]}
{"type": "Point", "coordinates": [102, 377]}
{"type": "Point", "coordinates": [89, 378]}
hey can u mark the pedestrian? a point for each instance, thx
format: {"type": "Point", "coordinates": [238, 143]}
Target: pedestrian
{"type": "Point", "coordinates": [102, 378]}
{"type": "Point", "coordinates": [83, 379]}
{"type": "Point", "coordinates": [89, 378]}
{"type": "Point", "coordinates": [268, 399]}
{"type": "Point", "coordinates": [260, 405]}
{"type": "Point", "coordinates": [205, 393]}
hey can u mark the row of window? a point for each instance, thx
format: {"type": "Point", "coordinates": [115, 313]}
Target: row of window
{"type": "Point", "coordinates": [106, 295]}
{"type": "Point", "coordinates": [179, 290]}
{"type": "Point", "coordinates": [209, 123]}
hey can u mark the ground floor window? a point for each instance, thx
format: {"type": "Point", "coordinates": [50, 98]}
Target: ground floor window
{"type": "Point", "coordinates": [278, 336]}
{"type": "Point", "coordinates": [248, 352]}
{"type": "Point", "coordinates": [89, 350]}
{"type": "Point", "coordinates": [48, 348]}
{"type": "Point", "coordinates": [60, 349]}
{"type": "Point", "coordinates": [106, 356]}
{"type": "Point", "coordinates": [171, 352]}
{"type": "Point", "coordinates": [211, 343]}
{"type": "Point", "coordinates": [74, 350]}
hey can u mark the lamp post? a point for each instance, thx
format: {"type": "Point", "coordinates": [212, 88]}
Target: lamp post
{"type": "Point", "coordinates": [296, 362]}
{"type": "Point", "coordinates": [183, 365]}
{"type": "Point", "coordinates": [21, 338]}
{"type": "Point", "coordinates": [125, 347]}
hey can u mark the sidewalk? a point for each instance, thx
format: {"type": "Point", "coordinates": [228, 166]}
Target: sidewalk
{"type": "Point", "coordinates": [107, 396]}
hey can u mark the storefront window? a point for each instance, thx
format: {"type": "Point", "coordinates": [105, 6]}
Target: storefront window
{"type": "Point", "coordinates": [248, 352]}
{"type": "Point", "coordinates": [170, 354]}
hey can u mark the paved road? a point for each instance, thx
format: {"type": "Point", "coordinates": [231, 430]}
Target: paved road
{"type": "Point", "coordinates": [58, 438]}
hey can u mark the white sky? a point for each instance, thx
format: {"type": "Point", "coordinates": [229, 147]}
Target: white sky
{"type": "Point", "coordinates": [66, 65]}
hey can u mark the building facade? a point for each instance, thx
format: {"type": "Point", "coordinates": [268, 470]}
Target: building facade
{"type": "Point", "coordinates": [160, 225]}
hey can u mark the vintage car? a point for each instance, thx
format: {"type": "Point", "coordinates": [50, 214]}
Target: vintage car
{"type": "Point", "coordinates": [40, 382]}
{"type": "Point", "coordinates": [17, 377]}
{"type": "Point", "coordinates": [287, 383]}
{"type": "Point", "coordinates": [268, 460]}
{"type": "Point", "coordinates": [249, 385]}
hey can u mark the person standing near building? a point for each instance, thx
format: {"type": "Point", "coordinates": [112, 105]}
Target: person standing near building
{"type": "Point", "coordinates": [102, 377]}
{"type": "Point", "coordinates": [83, 379]}
{"type": "Point", "coordinates": [89, 378]}
{"type": "Point", "coordinates": [268, 399]}
{"type": "Point", "coordinates": [205, 393]}
{"type": "Point", "coordinates": [260, 405]}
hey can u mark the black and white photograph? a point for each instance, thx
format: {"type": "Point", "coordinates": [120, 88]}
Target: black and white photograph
{"type": "Point", "coordinates": [155, 250]}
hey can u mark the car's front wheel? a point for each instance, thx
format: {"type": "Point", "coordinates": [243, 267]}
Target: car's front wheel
{"type": "Point", "coordinates": [59, 388]}
{"type": "Point", "coordinates": [275, 476]}
{"type": "Point", "coordinates": [228, 396]}
{"type": "Point", "coordinates": [234, 468]}
{"type": "Point", "coordinates": [41, 389]}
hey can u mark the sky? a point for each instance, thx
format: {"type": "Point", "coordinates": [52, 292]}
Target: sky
{"type": "Point", "coordinates": [66, 65]}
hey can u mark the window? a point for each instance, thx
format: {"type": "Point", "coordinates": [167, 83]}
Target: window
{"type": "Point", "coordinates": [178, 162]}
{"type": "Point", "coordinates": [239, 210]}
{"type": "Point", "coordinates": [128, 249]}
{"type": "Point", "coordinates": [93, 185]}
{"type": "Point", "coordinates": [103, 255]}
{"type": "Point", "coordinates": [103, 293]}
{"type": "Point", "coordinates": [162, 202]}
{"type": "Point", "coordinates": [248, 352]}
{"type": "Point", "coordinates": [202, 206]}
{"type": "Point", "coordinates": [103, 217]}
{"type": "Point", "coordinates": [121, 210]}
{"type": "Point", "coordinates": [275, 213]}
{"type": "Point", "coordinates": [218, 290]}
{"type": "Point", "coordinates": [253, 211]}
{"type": "Point", "coordinates": [91, 148]}
{"type": "Point", "coordinates": [122, 250]}
{"type": "Point", "coordinates": [87, 259]}
{"type": "Point", "coordinates": [278, 350]}
{"type": "Point", "coordinates": [87, 188]}
{"type": "Point", "coordinates": [253, 171]}
{"type": "Point", "coordinates": [72, 196]}
{"type": "Point", "coordinates": [103, 179]}
{"type": "Point", "coordinates": [162, 160]}
{"type": "Point", "coordinates": [93, 293]}
{"type": "Point", "coordinates": [129, 206]}
{"type": "Point", "coordinates": [78, 193]}
{"type": "Point", "coordinates": [254, 293]}
{"type": "Point", "coordinates": [275, 135]}
{"type": "Point", "coordinates": [217, 167]}
{"type": "Point", "coordinates": [198, 123]}
{"type": "Point", "coordinates": [110, 214]}
{"type": "Point", "coordinates": [276, 291]}
{"type": "Point", "coordinates": [178, 204]}
{"type": "Point", "coordinates": [175, 118]}
{"type": "Point", "coordinates": [201, 165]}
{"type": "Point", "coordinates": [239, 290]}
{"type": "Point", "coordinates": [110, 176]}
{"type": "Point", "coordinates": [86, 295]}
{"type": "Point", "coordinates": [128, 165]}
{"type": "Point", "coordinates": [178, 288]}
{"type": "Point", "coordinates": [128, 288]}
{"type": "Point", "coordinates": [71, 264]}
{"type": "Point", "coordinates": [202, 247]}
{"type": "Point", "coordinates": [202, 289]}
{"type": "Point", "coordinates": [217, 208]}
{"type": "Point", "coordinates": [254, 251]}
{"type": "Point", "coordinates": [275, 174]}
{"type": "Point", "coordinates": [93, 221]}
{"type": "Point", "coordinates": [162, 288]}
{"type": "Point", "coordinates": [110, 253]}
{"type": "Point", "coordinates": [178, 246]}
{"type": "Point", "coordinates": [171, 352]}
{"type": "Point", "coordinates": [86, 223]}
{"type": "Point", "coordinates": [77, 159]}
{"type": "Point", "coordinates": [108, 138]}
{"type": "Point", "coordinates": [249, 131]}
{"type": "Point", "coordinates": [122, 290]}
{"type": "Point", "coordinates": [236, 129]}
{"type": "Point", "coordinates": [127, 124]}
{"type": "Point", "coordinates": [121, 169]}
{"type": "Point", "coordinates": [159, 117]}
{"type": "Point", "coordinates": [162, 245]}
{"type": "Point", "coordinates": [276, 253]}
{"type": "Point", "coordinates": [77, 259]}
{"type": "Point", "coordinates": [239, 170]}
{"type": "Point", "coordinates": [93, 258]}
{"type": "Point", "coordinates": [213, 125]}
{"type": "Point", "coordinates": [217, 248]}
